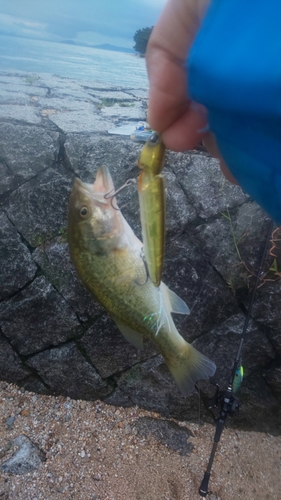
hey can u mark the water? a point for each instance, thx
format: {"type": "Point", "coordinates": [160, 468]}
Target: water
{"type": "Point", "coordinates": [80, 63]}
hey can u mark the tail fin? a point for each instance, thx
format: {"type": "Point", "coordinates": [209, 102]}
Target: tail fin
{"type": "Point", "coordinates": [190, 366]}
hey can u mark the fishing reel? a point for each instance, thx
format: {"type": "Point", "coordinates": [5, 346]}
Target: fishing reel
{"type": "Point", "coordinates": [225, 401]}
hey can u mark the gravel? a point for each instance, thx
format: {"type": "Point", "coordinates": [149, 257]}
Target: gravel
{"type": "Point", "coordinates": [93, 451]}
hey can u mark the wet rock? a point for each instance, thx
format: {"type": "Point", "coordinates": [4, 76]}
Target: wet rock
{"type": "Point", "coordinates": [26, 114]}
{"type": "Point", "coordinates": [24, 151]}
{"type": "Point", "coordinates": [90, 85]}
{"type": "Point", "coordinates": [31, 92]}
{"type": "Point", "coordinates": [83, 120]}
{"type": "Point", "coordinates": [27, 458]}
{"type": "Point", "coordinates": [221, 345]}
{"type": "Point", "coordinates": [273, 379]}
{"type": "Point", "coordinates": [51, 105]}
{"type": "Point", "coordinates": [130, 111]}
{"type": "Point", "coordinates": [195, 281]}
{"type": "Point", "coordinates": [75, 93]}
{"type": "Point", "coordinates": [7, 97]}
{"type": "Point", "coordinates": [11, 367]}
{"type": "Point", "coordinates": [259, 403]}
{"type": "Point", "coordinates": [206, 188]}
{"type": "Point", "coordinates": [65, 370]}
{"type": "Point", "coordinates": [66, 89]}
{"type": "Point", "coordinates": [32, 383]}
{"type": "Point", "coordinates": [138, 93]}
{"type": "Point", "coordinates": [150, 385]}
{"type": "Point", "coordinates": [179, 211]}
{"type": "Point", "coordinates": [37, 317]}
{"type": "Point", "coordinates": [38, 208]}
{"type": "Point", "coordinates": [167, 433]}
{"type": "Point", "coordinates": [237, 234]}
{"type": "Point", "coordinates": [17, 267]}
{"type": "Point", "coordinates": [87, 153]}
{"type": "Point", "coordinates": [27, 82]}
{"type": "Point", "coordinates": [112, 96]}
{"type": "Point", "coordinates": [54, 260]}
{"type": "Point", "coordinates": [108, 350]}
{"type": "Point", "coordinates": [267, 313]}
{"type": "Point", "coordinates": [259, 409]}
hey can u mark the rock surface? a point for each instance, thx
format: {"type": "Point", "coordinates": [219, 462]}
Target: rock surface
{"type": "Point", "coordinates": [27, 458]}
{"type": "Point", "coordinates": [54, 337]}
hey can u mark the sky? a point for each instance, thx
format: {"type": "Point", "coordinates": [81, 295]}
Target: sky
{"type": "Point", "coordinates": [88, 21]}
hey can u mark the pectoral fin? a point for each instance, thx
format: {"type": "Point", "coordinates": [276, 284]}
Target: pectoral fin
{"type": "Point", "coordinates": [174, 303]}
{"type": "Point", "coordinates": [135, 338]}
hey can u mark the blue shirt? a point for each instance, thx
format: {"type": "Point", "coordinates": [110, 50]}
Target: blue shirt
{"type": "Point", "coordinates": [234, 70]}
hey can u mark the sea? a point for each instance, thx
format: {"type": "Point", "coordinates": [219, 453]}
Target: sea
{"type": "Point", "coordinates": [73, 61]}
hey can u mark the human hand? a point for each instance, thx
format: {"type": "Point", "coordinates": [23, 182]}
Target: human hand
{"type": "Point", "coordinates": [171, 112]}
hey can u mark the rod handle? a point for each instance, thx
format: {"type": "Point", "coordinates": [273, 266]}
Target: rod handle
{"type": "Point", "coordinates": [203, 490]}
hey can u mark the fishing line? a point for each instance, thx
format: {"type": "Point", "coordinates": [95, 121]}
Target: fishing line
{"type": "Point", "coordinates": [229, 404]}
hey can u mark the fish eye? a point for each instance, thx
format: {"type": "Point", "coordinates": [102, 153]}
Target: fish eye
{"type": "Point", "coordinates": [154, 138]}
{"type": "Point", "coordinates": [83, 212]}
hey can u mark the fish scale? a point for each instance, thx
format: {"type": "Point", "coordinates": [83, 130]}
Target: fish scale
{"type": "Point", "coordinates": [139, 302]}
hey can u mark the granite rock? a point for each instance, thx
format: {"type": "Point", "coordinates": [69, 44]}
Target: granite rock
{"type": "Point", "coordinates": [55, 337]}
{"type": "Point", "coordinates": [71, 374]}
{"type": "Point", "coordinates": [27, 458]}
{"type": "Point", "coordinates": [37, 317]}
{"type": "Point", "coordinates": [17, 267]}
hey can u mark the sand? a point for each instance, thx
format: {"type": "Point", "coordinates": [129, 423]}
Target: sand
{"type": "Point", "coordinates": [93, 451]}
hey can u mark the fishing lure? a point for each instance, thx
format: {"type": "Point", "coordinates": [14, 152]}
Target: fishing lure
{"type": "Point", "coordinates": [238, 378]}
{"type": "Point", "coordinates": [151, 192]}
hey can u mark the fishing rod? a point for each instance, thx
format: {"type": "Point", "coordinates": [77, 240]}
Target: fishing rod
{"type": "Point", "coordinates": [229, 403]}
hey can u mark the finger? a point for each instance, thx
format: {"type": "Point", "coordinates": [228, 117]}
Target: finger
{"type": "Point", "coordinates": [167, 94]}
{"type": "Point", "coordinates": [166, 55]}
{"type": "Point", "coordinates": [187, 131]}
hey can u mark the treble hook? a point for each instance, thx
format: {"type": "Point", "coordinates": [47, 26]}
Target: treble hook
{"type": "Point", "coordinates": [145, 267]}
{"type": "Point", "coordinates": [111, 194]}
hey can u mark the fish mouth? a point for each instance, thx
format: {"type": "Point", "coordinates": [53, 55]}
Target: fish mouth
{"type": "Point", "coordinates": [78, 184]}
{"type": "Point", "coordinates": [82, 190]}
{"type": "Point", "coordinates": [102, 185]}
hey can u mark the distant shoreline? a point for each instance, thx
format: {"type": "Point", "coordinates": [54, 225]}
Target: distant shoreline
{"type": "Point", "coordinates": [103, 46]}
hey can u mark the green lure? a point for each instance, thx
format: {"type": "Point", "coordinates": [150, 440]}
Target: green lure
{"type": "Point", "coordinates": [238, 378]}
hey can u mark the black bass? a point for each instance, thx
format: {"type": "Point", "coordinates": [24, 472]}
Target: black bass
{"type": "Point", "coordinates": [107, 257]}
{"type": "Point", "coordinates": [151, 192]}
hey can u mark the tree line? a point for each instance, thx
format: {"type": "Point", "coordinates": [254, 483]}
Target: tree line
{"type": "Point", "coordinates": [141, 38]}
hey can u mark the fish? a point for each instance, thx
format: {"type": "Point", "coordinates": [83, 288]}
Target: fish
{"type": "Point", "coordinates": [107, 256]}
{"type": "Point", "coordinates": [151, 191]}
